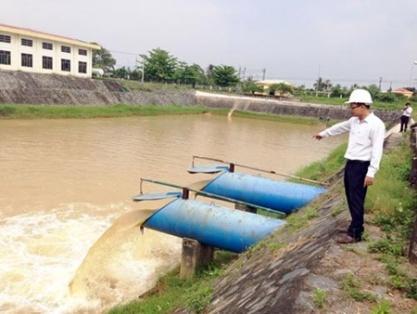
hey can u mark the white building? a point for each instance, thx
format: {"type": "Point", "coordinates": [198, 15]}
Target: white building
{"type": "Point", "coordinates": [27, 50]}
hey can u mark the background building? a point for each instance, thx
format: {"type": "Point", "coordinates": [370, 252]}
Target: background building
{"type": "Point", "coordinates": [27, 50]}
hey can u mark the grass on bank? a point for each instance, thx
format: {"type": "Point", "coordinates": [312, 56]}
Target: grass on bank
{"type": "Point", "coordinates": [392, 203]}
{"type": "Point", "coordinates": [396, 105]}
{"type": "Point", "coordinates": [115, 111]}
{"type": "Point", "coordinates": [172, 292]}
{"type": "Point", "coordinates": [85, 112]}
{"type": "Point", "coordinates": [323, 169]}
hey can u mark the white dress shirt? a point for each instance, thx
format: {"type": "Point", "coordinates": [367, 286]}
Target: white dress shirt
{"type": "Point", "coordinates": [407, 112]}
{"type": "Point", "coordinates": [366, 139]}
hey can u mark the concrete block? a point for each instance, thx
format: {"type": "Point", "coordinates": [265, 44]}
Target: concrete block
{"type": "Point", "coordinates": [194, 257]}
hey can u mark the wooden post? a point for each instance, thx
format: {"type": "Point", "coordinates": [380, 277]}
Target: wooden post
{"type": "Point", "coordinates": [194, 256]}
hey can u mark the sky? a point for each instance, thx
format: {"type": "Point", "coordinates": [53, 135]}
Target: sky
{"type": "Point", "coordinates": [356, 41]}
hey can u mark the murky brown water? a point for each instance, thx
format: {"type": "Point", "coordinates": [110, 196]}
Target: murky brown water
{"type": "Point", "coordinates": [63, 182]}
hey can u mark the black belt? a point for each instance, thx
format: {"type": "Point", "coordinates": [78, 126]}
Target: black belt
{"type": "Point", "coordinates": [358, 161]}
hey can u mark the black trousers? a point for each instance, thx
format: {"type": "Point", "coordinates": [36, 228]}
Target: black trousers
{"type": "Point", "coordinates": [355, 173]}
{"type": "Point", "coordinates": [404, 123]}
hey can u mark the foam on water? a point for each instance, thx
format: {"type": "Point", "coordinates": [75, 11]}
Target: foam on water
{"type": "Point", "coordinates": [40, 254]}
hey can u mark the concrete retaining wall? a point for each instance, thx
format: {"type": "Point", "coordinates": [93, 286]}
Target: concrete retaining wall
{"type": "Point", "coordinates": [273, 106]}
{"type": "Point", "coordinates": [31, 88]}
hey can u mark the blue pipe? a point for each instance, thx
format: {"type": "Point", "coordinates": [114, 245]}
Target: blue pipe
{"type": "Point", "coordinates": [277, 195]}
{"type": "Point", "coordinates": [220, 227]}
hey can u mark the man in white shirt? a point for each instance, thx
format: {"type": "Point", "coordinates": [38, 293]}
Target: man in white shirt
{"type": "Point", "coordinates": [363, 154]}
{"type": "Point", "coordinates": [405, 117]}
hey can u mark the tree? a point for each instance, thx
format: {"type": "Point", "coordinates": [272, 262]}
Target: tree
{"type": "Point", "coordinates": [104, 60]}
{"type": "Point", "coordinates": [159, 65]}
{"type": "Point", "coordinates": [209, 74]}
{"type": "Point", "coordinates": [322, 85]}
{"type": "Point", "coordinates": [122, 72]}
{"type": "Point", "coordinates": [136, 75]}
{"type": "Point", "coordinates": [281, 88]}
{"type": "Point", "coordinates": [250, 87]}
{"type": "Point", "coordinates": [373, 90]}
{"type": "Point", "coordinates": [194, 74]}
{"type": "Point", "coordinates": [189, 74]}
{"type": "Point", "coordinates": [224, 75]}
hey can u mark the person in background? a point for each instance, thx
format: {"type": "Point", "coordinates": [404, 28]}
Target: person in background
{"type": "Point", "coordinates": [405, 117]}
{"type": "Point", "coordinates": [363, 154]}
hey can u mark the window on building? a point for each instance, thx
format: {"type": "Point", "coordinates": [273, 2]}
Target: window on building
{"type": "Point", "coordinates": [4, 57]}
{"type": "Point", "coordinates": [66, 49]}
{"type": "Point", "coordinates": [5, 38]}
{"type": "Point", "coordinates": [27, 42]}
{"type": "Point", "coordinates": [66, 65]}
{"type": "Point", "coordinates": [82, 67]}
{"type": "Point", "coordinates": [82, 52]}
{"type": "Point", "coordinates": [47, 46]}
{"type": "Point", "coordinates": [47, 63]}
{"type": "Point", "coordinates": [27, 60]}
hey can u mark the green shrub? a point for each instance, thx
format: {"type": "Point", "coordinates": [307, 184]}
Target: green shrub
{"type": "Point", "coordinates": [352, 286]}
{"type": "Point", "coordinates": [6, 111]}
{"type": "Point", "coordinates": [386, 97]}
{"type": "Point", "coordinates": [319, 297]}
{"type": "Point", "coordinates": [383, 307]}
{"type": "Point", "coordinates": [387, 246]}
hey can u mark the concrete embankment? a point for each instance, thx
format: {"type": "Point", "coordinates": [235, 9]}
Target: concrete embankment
{"type": "Point", "coordinates": [282, 107]}
{"type": "Point", "coordinates": [28, 88]}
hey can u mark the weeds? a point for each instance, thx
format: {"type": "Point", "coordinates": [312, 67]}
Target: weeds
{"type": "Point", "coordinates": [393, 202]}
{"type": "Point", "coordinates": [321, 170]}
{"type": "Point", "coordinates": [389, 246]}
{"type": "Point", "coordinates": [275, 246]}
{"type": "Point", "coordinates": [383, 307]}
{"type": "Point", "coordinates": [7, 111]}
{"type": "Point", "coordinates": [172, 292]}
{"type": "Point", "coordinates": [351, 286]}
{"type": "Point", "coordinates": [319, 297]}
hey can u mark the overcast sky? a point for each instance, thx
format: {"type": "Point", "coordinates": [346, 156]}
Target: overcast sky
{"type": "Point", "coordinates": [344, 41]}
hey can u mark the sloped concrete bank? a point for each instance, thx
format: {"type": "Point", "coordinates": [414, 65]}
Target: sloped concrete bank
{"type": "Point", "coordinates": [32, 88]}
{"type": "Point", "coordinates": [281, 107]}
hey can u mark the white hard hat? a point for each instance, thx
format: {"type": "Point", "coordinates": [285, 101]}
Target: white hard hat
{"type": "Point", "coordinates": [360, 96]}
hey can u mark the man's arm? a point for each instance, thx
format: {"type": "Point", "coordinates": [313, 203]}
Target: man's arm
{"type": "Point", "coordinates": [377, 139]}
{"type": "Point", "coordinates": [338, 128]}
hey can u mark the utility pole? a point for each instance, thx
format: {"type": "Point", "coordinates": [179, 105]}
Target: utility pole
{"type": "Point", "coordinates": [142, 70]}
{"type": "Point", "coordinates": [318, 83]}
{"type": "Point", "coordinates": [263, 74]}
{"type": "Point", "coordinates": [380, 82]}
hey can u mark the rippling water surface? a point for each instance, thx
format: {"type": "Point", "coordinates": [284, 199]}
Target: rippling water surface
{"type": "Point", "coordinates": [63, 183]}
